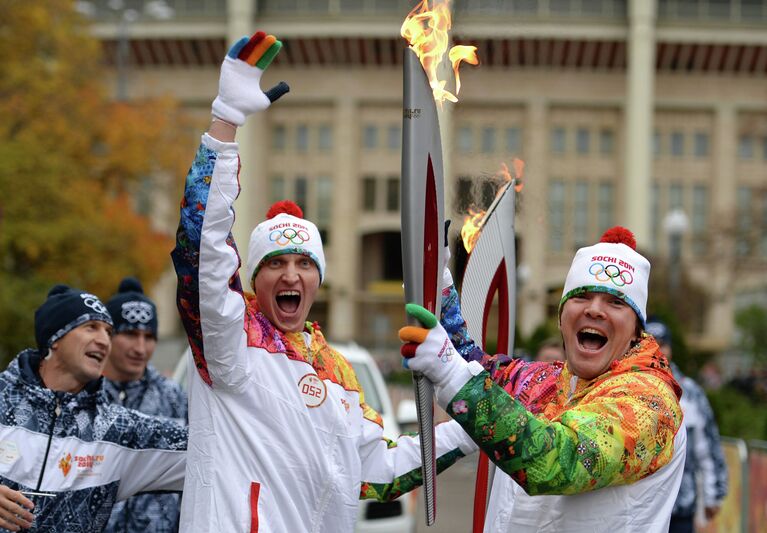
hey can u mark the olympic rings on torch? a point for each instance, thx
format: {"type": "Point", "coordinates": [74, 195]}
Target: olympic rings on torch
{"type": "Point", "coordinates": [612, 273]}
{"type": "Point", "coordinates": [288, 236]}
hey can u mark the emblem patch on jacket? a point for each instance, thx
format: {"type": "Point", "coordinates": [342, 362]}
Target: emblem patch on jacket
{"type": "Point", "coordinates": [313, 390]}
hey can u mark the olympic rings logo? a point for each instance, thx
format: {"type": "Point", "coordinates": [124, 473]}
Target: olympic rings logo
{"type": "Point", "coordinates": [137, 312]}
{"type": "Point", "coordinates": [612, 273]}
{"type": "Point", "coordinates": [289, 236]}
{"type": "Point", "coordinates": [92, 301]}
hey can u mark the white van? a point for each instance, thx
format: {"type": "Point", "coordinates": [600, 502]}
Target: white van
{"type": "Point", "coordinates": [397, 516]}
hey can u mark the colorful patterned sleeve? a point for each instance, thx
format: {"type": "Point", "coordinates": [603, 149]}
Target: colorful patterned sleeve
{"type": "Point", "coordinates": [455, 325]}
{"type": "Point", "coordinates": [392, 468]}
{"type": "Point", "coordinates": [220, 160]}
{"type": "Point", "coordinates": [619, 432]}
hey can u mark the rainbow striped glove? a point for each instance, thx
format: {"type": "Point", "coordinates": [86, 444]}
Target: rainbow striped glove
{"type": "Point", "coordinates": [239, 86]}
{"type": "Point", "coordinates": [428, 350]}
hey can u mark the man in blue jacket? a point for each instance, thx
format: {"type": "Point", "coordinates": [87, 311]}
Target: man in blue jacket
{"type": "Point", "coordinates": [132, 381]}
{"type": "Point", "coordinates": [67, 453]}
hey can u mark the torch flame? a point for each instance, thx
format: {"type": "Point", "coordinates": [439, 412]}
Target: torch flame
{"type": "Point", "coordinates": [470, 231]}
{"type": "Point", "coordinates": [473, 222]}
{"type": "Point", "coordinates": [426, 30]}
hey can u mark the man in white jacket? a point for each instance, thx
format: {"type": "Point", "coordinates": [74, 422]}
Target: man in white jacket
{"type": "Point", "coordinates": [280, 436]}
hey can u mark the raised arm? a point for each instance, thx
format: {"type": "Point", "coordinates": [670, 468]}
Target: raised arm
{"type": "Point", "coordinates": [209, 294]}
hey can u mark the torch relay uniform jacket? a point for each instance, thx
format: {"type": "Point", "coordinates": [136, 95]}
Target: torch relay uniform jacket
{"type": "Point", "coordinates": [158, 396]}
{"type": "Point", "coordinates": [577, 456]}
{"type": "Point", "coordinates": [80, 447]}
{"type": "Point", "coordinates": [281, 438]}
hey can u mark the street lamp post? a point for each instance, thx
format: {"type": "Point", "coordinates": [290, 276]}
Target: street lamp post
{"type": "Point", "coordinates": [675, 225]}
{"type": "Point", "coordinates": [126, 17]}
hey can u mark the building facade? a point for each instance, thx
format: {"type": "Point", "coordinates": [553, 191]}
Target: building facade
{"type": "Point", "coordinates": [623, 110]}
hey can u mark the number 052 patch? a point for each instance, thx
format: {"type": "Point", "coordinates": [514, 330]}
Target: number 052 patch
{"type": "Point", "coordinates": [313, 389]}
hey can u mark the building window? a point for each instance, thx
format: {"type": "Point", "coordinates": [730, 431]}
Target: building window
{"type": "Point", "coordinates": [742, 245]}
{"type": "Point", "coordinates": [605, 206]}
{"type": "Point", "coordinates": [675, 200]}
{"type": "Point", "coordinates": [655, 219]}
{"type": "Point", "coordinates": [392, 194]}
{"type": "Point", "coordinates": [700, 148]}
{"type": "Point", "coordinates": [278, 188]}
{"type": "Point", "coordinates": [677, 143]}
{"type": "Point", "coordinates": [581, 214]}
{"type": "Point", "coordinates": [556, 216]}
{"type": "Point", "coordinates": [763, 229]}
{"type": "Point", "coordinates": [488, 140]}
{"type": "Point", "coordinates": [370, 137]}
{"type": "Point", "coordinates": [302, 138]}
{"type": "Point", "coordinates": [324, 200]}
{"type": "Point", "coordinates": [746, 147]}
{"type": "Point", "coordinates": [465, 141]}
{"type": "Point", "coordinates": [606, 142]}
{"type": "Point", "coordinates": [368, 193]}
{"type": "Point", "coordinates": [582, 141]}
{"type": "Point", "coordinates": [513, 140]}
{"type": "Point", "coordinates": [657, 144]}
{"type": "Point", "coordinates": [558, 140]}
{"type": "Point", "coordinates": [279, 134]}
{"type": "Point", "coordinates": [699, 219]}
{"type": "Point", "coordinates": [325, 141]}
{"type": "Point", "coordinates": [394, 138]}
{"type": "Point", "coordinates": [302, 194]}
{"type": "Point", "coordinates": [463, 197]}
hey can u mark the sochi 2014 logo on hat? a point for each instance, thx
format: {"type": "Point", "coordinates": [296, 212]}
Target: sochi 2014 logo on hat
{"type": "Point", "coordinates": [613, 273]}
{"type": "Point", "coordinates": [137, 311]}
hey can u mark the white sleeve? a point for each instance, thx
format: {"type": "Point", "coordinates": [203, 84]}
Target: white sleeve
{"type": "Point", "coordinates": [390, 469]}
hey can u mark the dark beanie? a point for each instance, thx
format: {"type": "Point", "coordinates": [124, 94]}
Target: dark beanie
{"type": "Point", "coordinates": [659, 330]}
{"type": "Point", "coordinates": [64, 310]}
{"type": "Point", "coordinates": [131, 309]}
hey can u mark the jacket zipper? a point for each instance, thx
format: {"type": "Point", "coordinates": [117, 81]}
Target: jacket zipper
{"type": "Point", "coordinates": [56, 413]}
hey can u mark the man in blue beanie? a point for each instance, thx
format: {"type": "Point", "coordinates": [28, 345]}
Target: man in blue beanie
{"type": "Point", "coordinates": [66, 453]}
{"type": "Point", "coordinates": [132, 381]}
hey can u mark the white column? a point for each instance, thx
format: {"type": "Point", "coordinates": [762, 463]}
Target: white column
{"type": "Point", "coordinates": [722, 211]}
{"type": "Point", "coordinates": [639, 118]}
{"type": "Point", "coordinates": [251, 204]}
{"type": "Point", "coordinates": [344, 259]}
{"type": "Point", "coordinates": [531, 220]}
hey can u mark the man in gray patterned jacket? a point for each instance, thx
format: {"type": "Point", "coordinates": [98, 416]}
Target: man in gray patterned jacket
{"type": "Point", "coordinates": [133, 382]}
{"type": "Point", "coordinates": [704, 451]}
{"type": "Point", "coordinates": [67, 453]}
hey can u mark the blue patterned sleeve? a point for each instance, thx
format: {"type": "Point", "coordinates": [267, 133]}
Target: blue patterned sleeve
{"type": "Point", "coordinates": [455, 325]}
{"type": "Point", "coordinates": [714, 489]}
{"type": "Point", "coordinates": [186, 254]}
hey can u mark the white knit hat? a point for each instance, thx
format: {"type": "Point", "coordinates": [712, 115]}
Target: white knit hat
{"type": "Point", "coordinates": [284, 232]}
{"type": "Point", "coordinates": [614, 266]}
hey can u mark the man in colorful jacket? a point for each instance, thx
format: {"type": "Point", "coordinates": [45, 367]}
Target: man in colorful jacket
{"type": "Point", "coordinates": [132, 381]}
{"type": "Point", "coordinates": [592, 444]}
{"type": "Point", "coordinates": [705, 459]}
{"type": "Point", "coordinates": [66, 452]}
{"type": "Point", "coordinates": [281, 438]}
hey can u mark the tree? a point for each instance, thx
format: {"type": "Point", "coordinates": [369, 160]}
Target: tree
{"type": "Point", "coordinates": [752, 326]}
{"type": "Point", "coordinates": [71, 162]}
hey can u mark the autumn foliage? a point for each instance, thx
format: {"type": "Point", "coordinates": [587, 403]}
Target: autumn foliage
{"type": "Point", "coordinates": [73, 166]}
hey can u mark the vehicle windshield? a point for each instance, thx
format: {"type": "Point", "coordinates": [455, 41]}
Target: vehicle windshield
{"type": "Point", "coordinates": [372, 397]}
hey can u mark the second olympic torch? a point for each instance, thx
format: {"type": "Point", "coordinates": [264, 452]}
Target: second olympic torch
{"type": "Point", "coordinates": [422, 237]}
{"type": "Point", "coordinates": [491, 269]}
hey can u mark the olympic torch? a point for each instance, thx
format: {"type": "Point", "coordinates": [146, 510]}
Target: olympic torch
{"type": "Point", "coordinates": [422, 237]}
{"type": "Point", "coordinates": [491, 269]}
{"type": "Point", "coordinates": [426, 31]}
